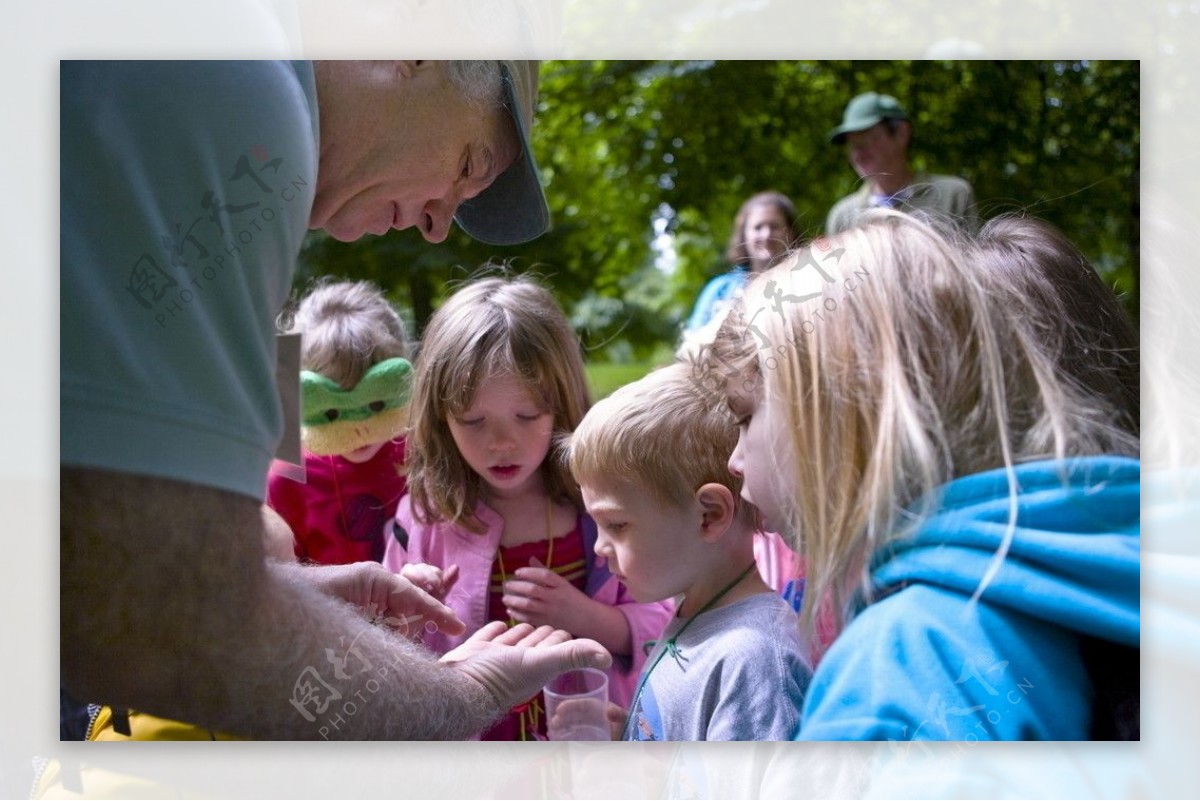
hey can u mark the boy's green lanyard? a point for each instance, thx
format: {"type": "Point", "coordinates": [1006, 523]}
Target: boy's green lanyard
{"type": "Point", "coordinates": [673, 650]}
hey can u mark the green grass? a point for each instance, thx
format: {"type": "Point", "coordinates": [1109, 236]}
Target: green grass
{"type": "Point", "coordinates": [603, 377]}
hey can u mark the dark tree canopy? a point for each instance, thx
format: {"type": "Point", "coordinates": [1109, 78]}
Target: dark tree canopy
{"type": "Point", "coordinates": [621, 143]}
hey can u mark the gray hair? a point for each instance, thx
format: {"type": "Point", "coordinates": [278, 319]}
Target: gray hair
{"type": "Point", "coordinates": [478, 81]}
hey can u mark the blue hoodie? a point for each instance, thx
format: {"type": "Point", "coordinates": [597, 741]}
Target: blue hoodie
{"type": "Point", "coordinates": [924, 663]}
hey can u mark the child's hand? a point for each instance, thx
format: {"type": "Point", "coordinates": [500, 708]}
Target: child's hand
{"type": "Point", "coordinates": [617, 715]}
{"type": "Point", "coordinates": [433, 580]}
{"type": "Point", "coordinates": [541, 597]}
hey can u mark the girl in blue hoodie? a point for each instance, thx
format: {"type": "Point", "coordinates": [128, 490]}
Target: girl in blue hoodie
{"type": "Point", "coordinates": [947, 431]}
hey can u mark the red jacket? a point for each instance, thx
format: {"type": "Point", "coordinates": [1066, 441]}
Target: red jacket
{"type": "Point", "coordinates": [339, 514]}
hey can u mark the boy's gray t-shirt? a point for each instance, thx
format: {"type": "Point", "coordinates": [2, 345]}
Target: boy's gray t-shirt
{"type": "Point", "coordinates": [737, 673]}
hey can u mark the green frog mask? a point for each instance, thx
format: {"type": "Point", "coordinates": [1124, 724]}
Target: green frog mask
{"type": "Point", "coordinates": [337, 421]}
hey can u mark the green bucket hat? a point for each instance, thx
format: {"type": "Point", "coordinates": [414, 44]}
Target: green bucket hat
{"type": "Point", "coordinates": [866, 110]}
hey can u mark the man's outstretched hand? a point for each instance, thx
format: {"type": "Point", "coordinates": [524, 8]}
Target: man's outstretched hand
{"type": "Point", "coordinates": [514, 664]}
{"type": "Point", "coordinates": [385, 597]}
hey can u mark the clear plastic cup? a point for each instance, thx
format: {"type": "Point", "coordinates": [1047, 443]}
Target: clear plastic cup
{"type": "Point", "coordinates": [577, 706]}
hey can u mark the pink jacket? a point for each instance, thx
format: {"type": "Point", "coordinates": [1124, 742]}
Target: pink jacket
{"type": "Point", "coordinates": [777, 563]}
{"type": "Point", "coordinates": [444, 544]}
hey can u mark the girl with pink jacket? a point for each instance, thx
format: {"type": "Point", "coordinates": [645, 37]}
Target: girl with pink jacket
{"type": "Point", "coordinates": [493, 523]}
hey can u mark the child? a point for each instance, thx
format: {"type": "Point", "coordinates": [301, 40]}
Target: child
{"type": "Point", "coordinates": [651, 463]}
{"type": "Point", "coordinates": [354, 389]}
{"type": "Point", "coordinates": [968, 509]}
{"type": "Point", "coordinates": [500, 376]}
{"type": "Point", "coordinates": [1046, 280]}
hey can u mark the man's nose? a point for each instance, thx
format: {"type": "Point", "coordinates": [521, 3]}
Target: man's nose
{"type": "Point", "coordinates": [438, 214]}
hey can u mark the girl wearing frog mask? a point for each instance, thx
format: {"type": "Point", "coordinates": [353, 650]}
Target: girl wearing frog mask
{"type": "Point", "coordinates": [354, 387]}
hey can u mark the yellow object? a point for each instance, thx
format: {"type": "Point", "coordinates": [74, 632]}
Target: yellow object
{"type": "Point", "coordinates": [149, 727]}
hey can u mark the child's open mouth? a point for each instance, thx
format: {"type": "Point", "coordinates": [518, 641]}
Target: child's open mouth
{"type": "Point", "coordinates": [504, 471]}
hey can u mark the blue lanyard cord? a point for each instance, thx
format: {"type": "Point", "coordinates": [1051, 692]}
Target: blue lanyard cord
{"type": "Point", "coordinates": [671, 648]}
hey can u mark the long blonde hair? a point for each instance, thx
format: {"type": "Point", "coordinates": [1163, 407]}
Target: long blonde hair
{"type": "Point", "coordinates": [490, 327]}
{"type": "Point", "coordinates": [896, 367]}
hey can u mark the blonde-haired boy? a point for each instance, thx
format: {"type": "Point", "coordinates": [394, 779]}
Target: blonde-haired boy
{"type": "Point", "coordinates": [651, 461]}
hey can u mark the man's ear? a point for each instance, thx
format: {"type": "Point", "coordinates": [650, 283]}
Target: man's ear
{"type": "Point", "coordinates": [716, 510]}
{"type": "Point", "coordinates": [904, 132]}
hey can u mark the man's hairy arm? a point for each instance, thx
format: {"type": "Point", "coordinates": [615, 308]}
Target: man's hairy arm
{"type": "Point", "coordinates": [168, 607]}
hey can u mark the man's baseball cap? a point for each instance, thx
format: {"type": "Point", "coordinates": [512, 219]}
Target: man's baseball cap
{"type": "Point", "coordinates": [866, 110]}
{"type": "Point", "coordinates": [513, 209]}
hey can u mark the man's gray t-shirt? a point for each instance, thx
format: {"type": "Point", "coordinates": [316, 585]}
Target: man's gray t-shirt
{"type": "Point", "coordinates": [736, 673]}
{"type": "Point", "coordinates": [186, 190]}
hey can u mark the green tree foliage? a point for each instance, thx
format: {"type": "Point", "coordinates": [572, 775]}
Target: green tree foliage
{"type": "Point", "coordinates": [621, 142]}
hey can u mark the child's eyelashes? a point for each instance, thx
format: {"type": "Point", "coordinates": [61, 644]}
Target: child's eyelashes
{"type": "Point", "coordinates": [741, 418]}
{"type": "Point", "coordinates": [740, 410]}
{"type": "Point", "coordinates": [525, 417]}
